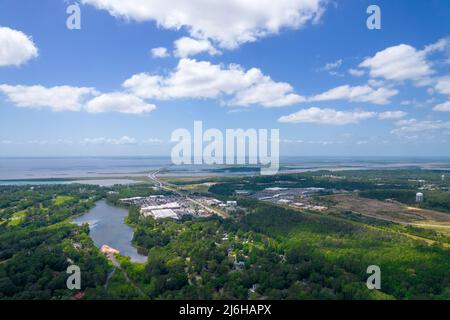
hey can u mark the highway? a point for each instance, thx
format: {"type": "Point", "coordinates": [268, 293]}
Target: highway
{"type": "Point", "coordinates": [165, 186]}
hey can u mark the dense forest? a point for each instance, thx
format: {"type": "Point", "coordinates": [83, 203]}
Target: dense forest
{"type": "Point", "coordinates": [37, 243]}
{"type": "Point", "coordinates": [275, 253]}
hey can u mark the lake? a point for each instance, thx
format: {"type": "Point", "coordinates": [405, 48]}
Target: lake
{"type": "Point", "coordinates": [107, 226]}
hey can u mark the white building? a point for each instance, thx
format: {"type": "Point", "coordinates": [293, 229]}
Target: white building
{"type": "Point", "coordinates": [164, 213]}
{"type": "Point", "coordinates": [212, 202]}
{"type": "Point", "coordinates": [275, 189]}
{"type": "Point", "coordinates": [131, 199]}
{"type": "Point", "coordinates": [232, 203]}
{"type": "Point", "coordinates": [419, 197]}
{"type": "Point", "coordinates": [172, 205]}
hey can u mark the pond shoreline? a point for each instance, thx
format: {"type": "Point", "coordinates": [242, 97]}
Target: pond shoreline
{"type": "Point", "coordinates": [107, 225]}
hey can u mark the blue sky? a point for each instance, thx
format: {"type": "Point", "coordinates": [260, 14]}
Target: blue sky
{"type": "Point", "coordinates": [308, 67]}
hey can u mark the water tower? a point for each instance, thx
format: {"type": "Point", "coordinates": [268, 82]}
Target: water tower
{"type": "Point", "coordinates": [419, 197]}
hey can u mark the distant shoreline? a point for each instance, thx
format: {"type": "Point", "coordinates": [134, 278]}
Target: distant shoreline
{"type": "Point", "coordinates": [86, 169]}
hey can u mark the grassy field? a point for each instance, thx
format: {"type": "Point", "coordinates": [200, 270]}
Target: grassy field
{"type": "Point", "coordinates": [60, 200]}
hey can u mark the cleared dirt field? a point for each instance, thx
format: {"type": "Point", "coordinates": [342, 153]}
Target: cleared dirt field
{"type": "Point", "coordinates": [390, 211]}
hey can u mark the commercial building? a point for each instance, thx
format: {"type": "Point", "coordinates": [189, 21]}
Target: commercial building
{"type": "Point", "coordinates": [163, 213]}
{"type": "Point", "coordinates": [171, 205]}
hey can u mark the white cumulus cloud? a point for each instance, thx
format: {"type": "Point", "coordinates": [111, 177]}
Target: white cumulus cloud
{"type": "Point", "coordinates": [16, 47]}
{"type": "Point", "coordinates": [229, 23]}
{"type": "Point", "coordinates": [185, 47]}
{"type": "Point", "coordinates": [327, 116]}
{"type": "Point", "coordinates": [119, 102]}
{"type": "Point", "coordinates": [406, 127]}
{"type": "Point", "coordinates": [202, 79]}
{"type": "Point", "coordinates": [441, 45]}
{"type": "Point", "coordinates": [443, 85]}
{"type": "Point", "coordinates": [401, 62]}
{"type": "Point", "coordinates": [160, 52]}
{"type": "Point", "coordinates": [125, 140]}
{"type": "Point", "coordinates": [356, 72]}
{"type": "Point", "coordinates": [153, 141]}
{"type": "Point", "coordinates": [59, 98]}
{"type": "Point", "coordinates": [145, 85]}
{"type": "Point", "coordinates": [404, 62]}
{"type": "Point", "coordinates": [392, 115]}
{"type": "Point", "coordinates": [267, 93]}
{"type": "Point", "coordinates": [443, 107]}
{"type": "Point", "coordinates": [357, 94]}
